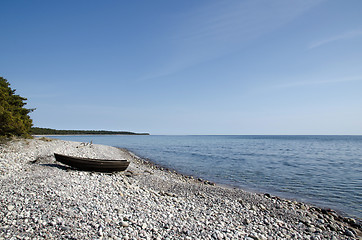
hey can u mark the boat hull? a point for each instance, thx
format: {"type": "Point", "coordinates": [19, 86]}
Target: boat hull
{"type": "Point", "coordinates": [88, 164]}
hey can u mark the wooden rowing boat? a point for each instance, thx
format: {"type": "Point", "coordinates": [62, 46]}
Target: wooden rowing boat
{"type": "Point", "coordinates": [89, 164]}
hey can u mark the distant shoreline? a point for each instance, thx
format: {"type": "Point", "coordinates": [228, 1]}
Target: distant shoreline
{"type": "Point", "coordinates": [48, 131]}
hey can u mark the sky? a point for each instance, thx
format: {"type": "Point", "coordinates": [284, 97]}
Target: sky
{"type": "Point", "coordinates": [187, 67]}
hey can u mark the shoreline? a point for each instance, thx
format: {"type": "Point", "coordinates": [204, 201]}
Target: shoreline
{"type": "Point", "coordinates": [235, 187]}
{"type": "Point", "coordinates": [146, 201]}
{"type": "Point", "coordinates": [343, 216]}
{"type": "Point", "coordinates": [290, 173]}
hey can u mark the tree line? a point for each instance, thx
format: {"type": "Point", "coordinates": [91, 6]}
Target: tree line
{"type": "Point", "coordinates": [49, 131]}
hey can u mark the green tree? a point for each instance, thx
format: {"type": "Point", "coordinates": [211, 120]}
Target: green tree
{"type": "Point", "coordinates": [14, 118]}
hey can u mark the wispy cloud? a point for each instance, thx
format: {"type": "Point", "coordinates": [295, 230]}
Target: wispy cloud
{"type": "Point", "coordinates": [243, 20]}
{"type": "Point", "coordinates": [319, 82]}
{"type": "Point", "coordinates": [223, 27]}
{"type": "Point", "coordinates": [343, 36]}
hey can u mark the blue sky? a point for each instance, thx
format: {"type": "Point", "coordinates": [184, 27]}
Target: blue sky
{"type": "Point", "coordinates": [187, 67]}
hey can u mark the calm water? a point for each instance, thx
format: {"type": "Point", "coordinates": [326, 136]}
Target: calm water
{"type": "Point", "coordinates": [323, 170]}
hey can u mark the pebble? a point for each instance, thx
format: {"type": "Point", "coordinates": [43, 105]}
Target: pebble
{"type": "Point", "coordinates": [348, 233]}
{"type": "Point", "coordinates": [125, 224]}
{"type": "Point", "coordinates": [43, 199]}
{"type": "Point", "coordinates": [10, 207]}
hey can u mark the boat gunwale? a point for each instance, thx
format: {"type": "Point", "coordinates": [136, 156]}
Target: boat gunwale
{"type": "Point", "coordinates": [91, 160]}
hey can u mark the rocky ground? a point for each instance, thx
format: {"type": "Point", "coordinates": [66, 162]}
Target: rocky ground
{"type": "Point", "coordinates": [43, 199]}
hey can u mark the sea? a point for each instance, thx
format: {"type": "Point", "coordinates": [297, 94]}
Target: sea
{"type": "Point", "coordinates": [325, 171]}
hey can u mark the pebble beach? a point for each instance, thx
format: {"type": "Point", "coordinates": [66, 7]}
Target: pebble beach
{"type": "Point", "coordinates": [43, 199]}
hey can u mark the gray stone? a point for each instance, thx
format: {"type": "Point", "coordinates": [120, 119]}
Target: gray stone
{"type": "Point", "coordinates": [125, 224]}
{"type": "Point", "coordinates": [10, 207]}
{"type": "Point", "coordinates": [349, 233]}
